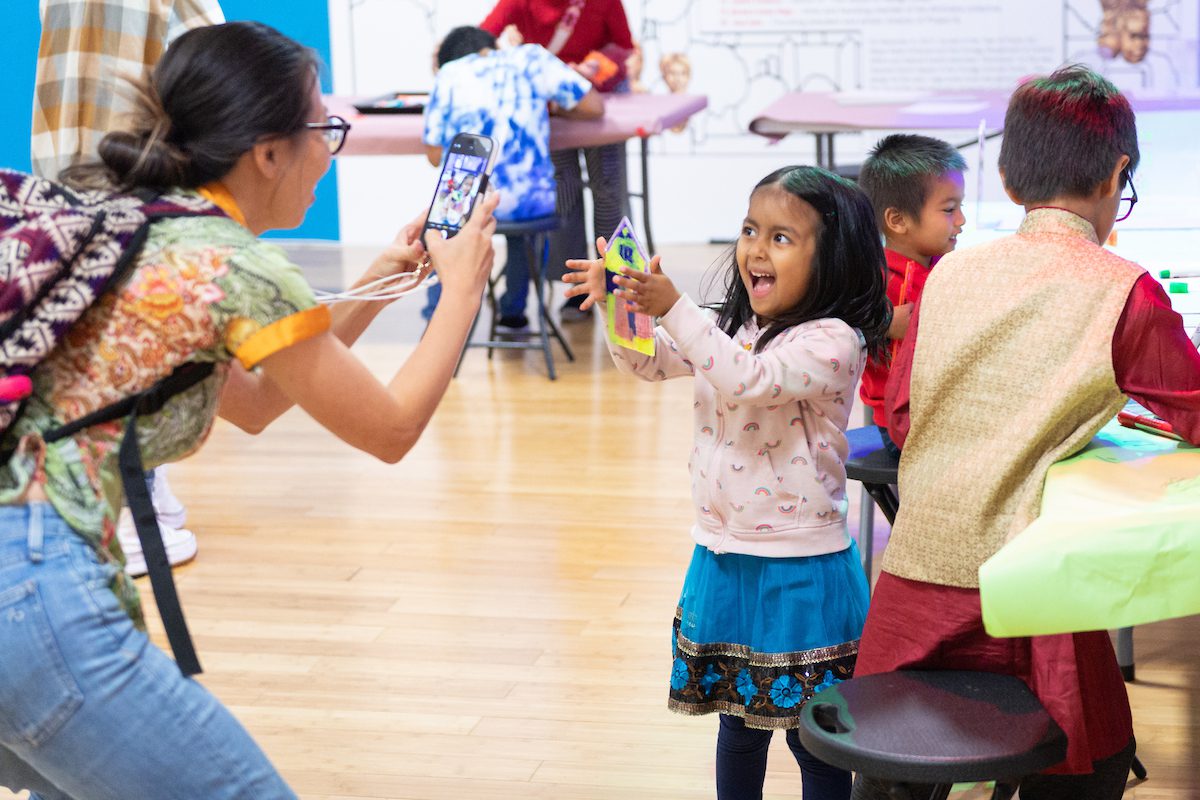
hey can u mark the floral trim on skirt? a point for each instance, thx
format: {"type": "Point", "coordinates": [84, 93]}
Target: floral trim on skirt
{"type": "Point", "coordinates": [773, 632]}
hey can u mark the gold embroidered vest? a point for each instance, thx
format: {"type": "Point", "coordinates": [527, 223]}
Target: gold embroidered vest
{"type": "Point", "coordinates": [1012, 371]}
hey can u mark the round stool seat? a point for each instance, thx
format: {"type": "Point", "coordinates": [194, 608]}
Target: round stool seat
{"type": "Point", "coordinates": [525, 227]}
{"type": "Point", "coordinates": [868, 461]}
{"type": "Point", "coordinates": [933, 727]}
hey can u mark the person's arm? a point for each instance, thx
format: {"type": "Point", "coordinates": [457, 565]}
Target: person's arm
{"type": "Point", "coordinates": [618, 27]}
{"type": "Point", "coordinates": [588, 278]}
{"type": "Point", "coordinates": [249, 399]}
{"type": "Point", "coordinates": [503, 14]}
{"type": "Point", "coordinates": [896, 396]}
{"type": "Point", "coordinates": [1154, 360]}
{"type": "Point", "coordinates": [815, 360]}
{"type": "Point", "coordinates": [323, 377]}
{"type": "Point", "coordinates": [590, 106]}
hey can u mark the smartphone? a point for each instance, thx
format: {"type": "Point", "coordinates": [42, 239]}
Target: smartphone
{"type": "Point", "coordinates": [466, 165]}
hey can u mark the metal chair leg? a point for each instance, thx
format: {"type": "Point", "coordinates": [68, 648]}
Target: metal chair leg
{"type": "Point", "coordinates": [1125, 652]}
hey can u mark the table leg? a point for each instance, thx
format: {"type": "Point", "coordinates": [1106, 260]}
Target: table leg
{"type": "Point", "coordinates": [645, 195]}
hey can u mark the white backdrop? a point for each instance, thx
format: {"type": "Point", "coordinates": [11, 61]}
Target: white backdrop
{"type": "Point", "coordinates": [745, 54]}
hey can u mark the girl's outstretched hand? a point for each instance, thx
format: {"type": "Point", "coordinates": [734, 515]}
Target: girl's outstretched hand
{"type": "Point", "coordinates": [587, 277]}
{"type": "Point", "coordinates": [650, 292]}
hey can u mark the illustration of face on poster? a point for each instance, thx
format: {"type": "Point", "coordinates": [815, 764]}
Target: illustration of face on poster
{"type": "Point", "coordinates": [1124, 30]}
{"type": "Point", "coordinates": [676, 72]}
{"type": "Point", "coordinates": [1135, 34]}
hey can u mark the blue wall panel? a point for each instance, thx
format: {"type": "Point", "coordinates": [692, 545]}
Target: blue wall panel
{"type": "Point", "coordinates": [304, 20]}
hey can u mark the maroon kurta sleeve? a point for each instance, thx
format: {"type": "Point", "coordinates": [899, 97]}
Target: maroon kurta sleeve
{"type": "Point", "coordinates": [1154, 359]}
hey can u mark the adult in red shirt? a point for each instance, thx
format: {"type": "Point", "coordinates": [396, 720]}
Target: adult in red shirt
{"type": "Point", "coordinates": [571, 29]}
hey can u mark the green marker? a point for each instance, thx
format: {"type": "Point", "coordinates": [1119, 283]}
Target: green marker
{"type": "Point", "coordinates": [1179, 273]}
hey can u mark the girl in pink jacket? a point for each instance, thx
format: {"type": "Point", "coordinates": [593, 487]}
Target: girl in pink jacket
{"type": "Point", "coordinates": [774, 600]}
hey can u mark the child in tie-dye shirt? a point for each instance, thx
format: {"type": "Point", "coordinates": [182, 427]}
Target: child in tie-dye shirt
{"type": "Point", "coordinates": [774, 600]}
{"type": "Point", "coordinates": [505, 94]}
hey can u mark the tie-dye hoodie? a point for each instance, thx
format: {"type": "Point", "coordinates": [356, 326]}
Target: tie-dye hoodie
{"type": "Point", "coordinates": [767, 466]}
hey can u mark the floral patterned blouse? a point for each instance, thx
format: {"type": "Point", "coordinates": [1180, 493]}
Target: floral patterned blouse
{"type": "Point", "coordinates": [203, 289]}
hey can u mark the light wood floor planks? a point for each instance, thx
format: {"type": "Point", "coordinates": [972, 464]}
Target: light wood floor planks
{"type": "Point", "coordinates": [490, 618]}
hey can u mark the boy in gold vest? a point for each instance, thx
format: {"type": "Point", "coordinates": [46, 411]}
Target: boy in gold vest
{"type": "Point", "coordinates": [1018, 352]}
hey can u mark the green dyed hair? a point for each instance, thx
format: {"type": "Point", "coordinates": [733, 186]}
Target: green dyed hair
{"type": "Point", "coordinates": [1063, 135]}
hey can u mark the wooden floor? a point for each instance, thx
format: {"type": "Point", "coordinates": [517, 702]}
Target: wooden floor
{"type": "Point", "coordinates": [491, 617]}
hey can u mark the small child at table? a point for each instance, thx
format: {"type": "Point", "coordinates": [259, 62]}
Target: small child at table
{"type": "Point", "coordinates": [916, 187]}
{"type": "Point", "coordinates": [1019, 351]}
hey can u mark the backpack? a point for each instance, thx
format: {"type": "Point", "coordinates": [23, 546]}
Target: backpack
{"type": "Point", "coordinates": [60, 251]}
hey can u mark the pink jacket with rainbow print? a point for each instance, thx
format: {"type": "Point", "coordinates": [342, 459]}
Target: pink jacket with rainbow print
{"type": "Point", "coordinates": [768, 473]}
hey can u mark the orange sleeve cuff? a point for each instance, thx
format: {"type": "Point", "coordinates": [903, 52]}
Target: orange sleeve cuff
{"type": "Point", "coordinates": [282, 333]}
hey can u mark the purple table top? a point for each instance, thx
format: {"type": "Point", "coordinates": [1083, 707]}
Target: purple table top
{"type": "Point", "coordinates": [835, 112]}
{"type": "Point", "coordinates": [625, 116]}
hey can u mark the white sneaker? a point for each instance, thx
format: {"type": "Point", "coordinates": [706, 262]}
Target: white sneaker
{"type": "Point", "coordinates": [167, 508]}
{"type": "Point", "coordinates": [180, 545]}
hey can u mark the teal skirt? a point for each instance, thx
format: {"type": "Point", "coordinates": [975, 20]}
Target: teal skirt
{"type": "Point", "coordinates": [757, 637]}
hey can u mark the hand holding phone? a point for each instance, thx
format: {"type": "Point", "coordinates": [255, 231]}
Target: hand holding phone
{"type": "Point", "coordinates": [465, 169]}
{"type": "Point", "coordinates": [464, 263]}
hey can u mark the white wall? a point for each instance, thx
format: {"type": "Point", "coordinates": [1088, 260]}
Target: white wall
{"type": "Point", "coordinates": [746, 53]}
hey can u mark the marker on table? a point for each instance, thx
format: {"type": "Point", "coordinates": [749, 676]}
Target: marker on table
{"type": "Point", "coordinates": [1179, 273]}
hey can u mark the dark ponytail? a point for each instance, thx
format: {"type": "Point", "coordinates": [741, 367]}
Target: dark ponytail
{"type": "Point", "coordinates": [217, 91]}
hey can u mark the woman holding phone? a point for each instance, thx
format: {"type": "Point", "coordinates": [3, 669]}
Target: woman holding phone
{"type": "Point", "coordinates": [233, 113]}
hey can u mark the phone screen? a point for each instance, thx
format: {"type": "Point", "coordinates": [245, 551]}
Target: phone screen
{"type": "Point", "coordinates": [464, 176]}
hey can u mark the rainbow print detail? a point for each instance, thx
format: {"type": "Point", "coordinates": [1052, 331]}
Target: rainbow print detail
{"type": "Point", "coordinates": [764, 529]}
{"type": "Point", "coordinates": [750, 426]}
{"type": "Point", "coordinates": [786, 509]}
{"type": "Point", "coordinates": [762, 491]}
{"type": "Point", "coordinates": [708, 364]}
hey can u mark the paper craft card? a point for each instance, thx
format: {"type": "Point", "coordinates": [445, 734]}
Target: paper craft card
{"type": "Point", "coordinates": [626, 327]}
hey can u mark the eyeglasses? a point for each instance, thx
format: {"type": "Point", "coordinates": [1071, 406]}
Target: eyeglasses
{"type": "Point", "coordinates": [1125, 207]}
{"type": "Point", "coordinates": [334, 131]}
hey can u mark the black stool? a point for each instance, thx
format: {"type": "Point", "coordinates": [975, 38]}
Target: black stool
{"type": "Point", "coordinates": [937, 728]}
{"type": "Point", "coordinates": [535, 235]}
{"type": "Point", "coordinates": [876, 468]}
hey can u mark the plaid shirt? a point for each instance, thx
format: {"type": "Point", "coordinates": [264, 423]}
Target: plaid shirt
{"type": "Point", "coordinates": [89, 50]}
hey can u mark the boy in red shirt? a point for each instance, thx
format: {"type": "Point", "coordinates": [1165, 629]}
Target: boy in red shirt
{"type": "Point", "coordinates": [916, 186]}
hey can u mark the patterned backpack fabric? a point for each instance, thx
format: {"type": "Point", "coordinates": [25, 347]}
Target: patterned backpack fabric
{"type": "Point", "coordinates": [59, 252]}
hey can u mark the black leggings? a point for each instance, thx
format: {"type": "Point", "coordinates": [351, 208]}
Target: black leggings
{"type": "Point", "coordinates": [742, 765]}
{"type": "Point", "coordinates": [1107, 782]}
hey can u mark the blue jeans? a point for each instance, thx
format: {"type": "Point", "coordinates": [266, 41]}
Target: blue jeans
{"type": "Point", "coordinates": [516, 283]}
{"type": "Point", "coordinates": [89, 708]}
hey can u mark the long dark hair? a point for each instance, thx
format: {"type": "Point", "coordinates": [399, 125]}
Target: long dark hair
{"type": "Point", "coordinates": [217, 91]}
{"type": "Point", "coordinates": [847, 280]}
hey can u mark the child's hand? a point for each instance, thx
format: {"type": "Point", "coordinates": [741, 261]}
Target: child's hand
{"type": "Point", "coordinates": [900, 316]}
{"type": "Point", "coordinates": [650, 292]}
{"type": "Point", "coordinates": [588, 277]}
